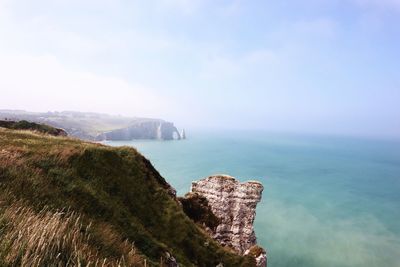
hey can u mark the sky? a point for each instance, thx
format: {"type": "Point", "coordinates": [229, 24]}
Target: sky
{"type": "Point", "coordinates": [316, 66]}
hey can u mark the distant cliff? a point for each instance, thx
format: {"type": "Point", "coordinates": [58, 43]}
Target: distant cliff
{"type": "Point", "coordinates": [99, 127]}
{"type": "Point", "coordinates": [146, 129]}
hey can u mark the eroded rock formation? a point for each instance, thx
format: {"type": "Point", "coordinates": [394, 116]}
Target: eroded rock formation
{"type": "Point", "coordinates": [149, 129]}
{"type": "Point", "coordinates": [183, 134]}
{"type": "Point", "coordinates": [234, 203]}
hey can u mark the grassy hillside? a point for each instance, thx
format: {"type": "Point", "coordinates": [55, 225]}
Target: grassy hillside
{"type": "Point", "coordinates": [26, 125]}
{"type": "Point", "coordinates": [64, 202]}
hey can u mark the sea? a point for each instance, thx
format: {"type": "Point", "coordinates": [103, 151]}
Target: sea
{"type": "Point", "coordinates": [327, 200]}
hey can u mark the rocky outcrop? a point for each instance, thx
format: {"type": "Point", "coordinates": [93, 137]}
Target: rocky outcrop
{"type": "Point", "coordinates": [259, 254]}
{"type": "Point", "coordinates": [234, 203]}
{"type": "Point", "coordinates": [149, 129]}
{"type": "Point", "coordinates": [183, 134]}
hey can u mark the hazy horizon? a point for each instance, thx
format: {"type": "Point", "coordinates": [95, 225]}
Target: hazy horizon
{"type": "Point", "coordinates": [324, 67]}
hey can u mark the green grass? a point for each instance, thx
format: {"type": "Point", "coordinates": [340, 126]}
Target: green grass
{"type": "Point", "coordinates": [196, 207]}
{"type": "Point", "coordinates": [116, 190]}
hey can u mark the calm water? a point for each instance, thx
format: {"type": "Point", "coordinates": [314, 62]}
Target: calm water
{"type": "Point", "coordinates": [327, 201]}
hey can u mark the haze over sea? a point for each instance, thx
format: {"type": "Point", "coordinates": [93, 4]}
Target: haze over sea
{"type": "Point", "coordinates": [327, 201]}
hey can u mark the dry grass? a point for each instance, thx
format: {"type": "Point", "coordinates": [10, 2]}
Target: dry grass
{"type": "Point", "coordinates": [10, 157]}
{"type": "Point", "coordinates": [52, 239]}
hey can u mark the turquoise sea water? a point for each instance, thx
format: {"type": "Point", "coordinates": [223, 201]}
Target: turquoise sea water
{"type": "Point", "coordinates": [327, 201]}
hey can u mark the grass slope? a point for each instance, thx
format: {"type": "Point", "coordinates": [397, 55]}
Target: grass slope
{"type": "Point", "coordinates": [104, 204]}
{"type": "Point", "coordinates": [26, 125]}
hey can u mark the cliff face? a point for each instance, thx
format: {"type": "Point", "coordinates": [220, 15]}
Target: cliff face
{"type": "Point", "coordinates": [234, 203]}
{"type": "Point", "coordinates": [156, 129]}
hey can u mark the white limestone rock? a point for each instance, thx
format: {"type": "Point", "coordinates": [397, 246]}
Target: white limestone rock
{"type": "Point", "coordinates": [235, 204]}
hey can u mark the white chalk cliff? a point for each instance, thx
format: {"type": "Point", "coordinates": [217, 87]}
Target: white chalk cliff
{"type": "Point", "coordinates": [234, 203]}
{"type": "Point", "coordinates": [143, 129]}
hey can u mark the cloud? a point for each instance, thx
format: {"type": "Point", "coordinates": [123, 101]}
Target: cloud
{"type": "Point", "coordinates": [4, 10]}
{"type": "Point", "coordinates": [261, 55]}
{"type": "Point", "coordinates": [186, 7]}
{"type": "Point", "coordinates": [46, 64]}
{"type": "Point", "coordinates": [291, 44]}
{"type": "Point", "coordinates": [43, 83]}
{"type": "Point", "coordinates": [232, 8]}
{"type": "Point", "coordinates": [324, 27]}
{"type": "Point", "coordinates": [381, 4]}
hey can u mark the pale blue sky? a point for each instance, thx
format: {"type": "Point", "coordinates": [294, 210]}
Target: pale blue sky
{"type": "Point", "coordinates": [323, 66]}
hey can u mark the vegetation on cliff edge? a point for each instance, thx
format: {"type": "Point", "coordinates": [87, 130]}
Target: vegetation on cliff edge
{"type": "Point", "coordinates": [196, 207]}
{"type": "Point", "coordinates": [68, 202]}
{"type": "Point", "coordinates": [26, 125]}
